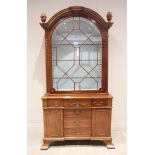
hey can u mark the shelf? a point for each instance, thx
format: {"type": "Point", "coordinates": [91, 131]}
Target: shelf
{"type": "Point", "coordinates": [75, 77]}
{"type": "Point", "coordinates": [76, 45]}
{"type": "Point", "coordinates": [77, 60]}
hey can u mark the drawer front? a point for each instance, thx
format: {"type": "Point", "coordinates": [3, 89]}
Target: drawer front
{"type": "Point", "coordinates": [77, 122]}
{"type": "Point", "coordinates": [55, 103]}
{"type": "Point", "coordinates": [100, 103]}
{"type": "Point", "coordinates": [81, 113]}
{"type": "Point", "coordinates": [69, 132]}
{"type": "Point", "coordinates": [77, 103]}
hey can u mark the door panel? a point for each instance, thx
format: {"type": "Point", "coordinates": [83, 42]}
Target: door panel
{"type": "Point", "coordinates": [54, 122]}
{"type": "Point", "coordinates": [101, 120]}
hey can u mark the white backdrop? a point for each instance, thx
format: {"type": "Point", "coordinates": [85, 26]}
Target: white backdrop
{"type": "Point", "coordinates": [117, 54]}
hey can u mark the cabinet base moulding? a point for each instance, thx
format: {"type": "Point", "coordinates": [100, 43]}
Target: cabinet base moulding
{"type": "Point", "coordinates": [106, 140]}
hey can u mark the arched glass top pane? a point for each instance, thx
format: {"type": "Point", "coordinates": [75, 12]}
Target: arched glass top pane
{"type": "Point", "coordinates": [76, 55]}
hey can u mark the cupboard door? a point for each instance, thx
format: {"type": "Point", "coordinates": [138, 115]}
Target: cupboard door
{"type": "Point", "coordinates": [54, 123]}
{"type": "Point", "coordinates": [101, 122]}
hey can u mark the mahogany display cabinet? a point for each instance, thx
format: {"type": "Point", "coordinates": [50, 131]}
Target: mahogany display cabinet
{"type": "Point", "coordinates": [77, 105]}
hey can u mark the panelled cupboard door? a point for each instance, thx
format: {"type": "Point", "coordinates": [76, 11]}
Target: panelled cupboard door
{"type": "Point", "coordinates": [54, 122]}
{"type": "Point", "coordinates": [101, 119]}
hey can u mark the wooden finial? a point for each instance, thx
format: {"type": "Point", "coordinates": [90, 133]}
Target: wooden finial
{"type": "Point", "coordinates": [43, 17]}
{"type": "Point", "coordinates": [109, 16]}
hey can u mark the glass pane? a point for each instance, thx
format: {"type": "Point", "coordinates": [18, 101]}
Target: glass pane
{"type": "Point", "coordinates": [77, 73]}
{"type": "Point", "coordinates": [76, 37]}
{"type": "Point", "coordinates": [96, 39]}
{"type": "Point", "coordinates": [76, 55]}
{"type": "Point", "coordinates": [86, 26]}
{"type": "Point", "coordinates": [56, 39]}
{"type": "Point", "coordinates": [65, 27]}
{"type": "Point", "coordinates": [66, 84]}
{"type": "Point", "coordinates": [65, 52]}
{"type": "Point", "coordinates": [88, 83]}
{"type": "Point", "coordinates": [76, 23]}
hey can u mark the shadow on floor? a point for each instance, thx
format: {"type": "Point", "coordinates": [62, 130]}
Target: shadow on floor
{"type": "Point", "coordinates": [77, 142]}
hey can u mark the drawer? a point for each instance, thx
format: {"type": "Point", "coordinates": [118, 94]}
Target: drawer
{"type": "Point", "coordinates": [77, 103]}
{"type": "Point", "coordinates": [77, 132]}
{"type": "Point", "coordinates": [77, 122]}
{"type": "Point", "coordinates": [55, 103]}
{"type": "Point", "coordinates": [81, 113]}
{"type": "Point", "coordinates": [100, 103]}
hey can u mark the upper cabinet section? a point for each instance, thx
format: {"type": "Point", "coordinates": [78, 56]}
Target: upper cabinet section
{"type": "Point", "coordinates": [76, 48]}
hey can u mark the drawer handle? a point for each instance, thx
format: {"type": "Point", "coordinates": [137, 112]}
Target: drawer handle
{"type": "Point", "coordinates": [77, 122]}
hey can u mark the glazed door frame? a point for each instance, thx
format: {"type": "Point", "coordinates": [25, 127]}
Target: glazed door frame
{"type": "Point", "coordinates": [103, 27]}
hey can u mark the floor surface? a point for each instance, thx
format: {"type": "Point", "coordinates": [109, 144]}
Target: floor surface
{"type": "Point", "coordinates": [35, 134]}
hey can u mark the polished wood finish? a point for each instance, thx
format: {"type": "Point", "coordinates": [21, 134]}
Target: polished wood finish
{"type": "Point", "coordinates": [54, 127]}
{"type": "Point", "coordinates": [77, 115]}
{"type": "Point", "coordinates": [100, 119]}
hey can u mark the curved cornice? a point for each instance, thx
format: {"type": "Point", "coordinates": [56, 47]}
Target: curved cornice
{"type": "Point", "coordinates": [76, 11]}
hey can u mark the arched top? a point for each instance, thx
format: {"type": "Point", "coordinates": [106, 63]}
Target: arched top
{"type": "Point", "coordinates": [77, 11]}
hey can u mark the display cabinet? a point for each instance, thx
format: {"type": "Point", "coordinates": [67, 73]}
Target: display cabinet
{"type": "Point", "coordinates": [77, 105]}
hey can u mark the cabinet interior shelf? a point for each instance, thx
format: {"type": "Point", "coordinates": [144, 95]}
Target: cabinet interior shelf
{"type": "Point", "coordinates": [78, 60]}
{"type": "Point", "coordinates": [76, 45]}
{"type": "Point", "coordinates": [74, 77]}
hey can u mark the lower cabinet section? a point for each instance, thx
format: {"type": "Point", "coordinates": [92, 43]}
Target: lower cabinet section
{"type": "Point", "coordinates": [87, 119]}
{"type": "Point", "coordinates": [83, 122]}
{"type": "Point", "coordinates": [101, 122]}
